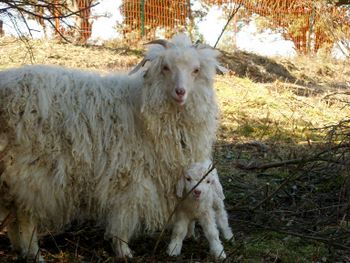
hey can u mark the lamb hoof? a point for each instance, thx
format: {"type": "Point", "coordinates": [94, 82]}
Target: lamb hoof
{"type": "Point", "coordinates": [220, 254]}
{"type": "Point", "coordinates": [230, 239]}
{"type": "Point", "coordinates": [174, 250]}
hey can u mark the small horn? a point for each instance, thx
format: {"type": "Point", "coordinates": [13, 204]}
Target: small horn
{"type": "Point", "coordinates": [199, 45]}
{"type": "Point", "coordinates": [161, 42]}
{"type": "Point", "coordinates": [138, 66]}
{"type": "Point", "coordinates": [221, 70]}
{"type": "Point", "coordinates": [198, 42]}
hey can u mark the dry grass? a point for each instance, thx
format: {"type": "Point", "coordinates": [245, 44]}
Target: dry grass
{"type": "Point", "coordinates": [285, 204]}
{"type": "Point", "coordinates": [14, 52]}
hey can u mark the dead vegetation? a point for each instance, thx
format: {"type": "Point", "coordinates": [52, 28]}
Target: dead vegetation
{"type": "Point", "coordinates": [282, 155]}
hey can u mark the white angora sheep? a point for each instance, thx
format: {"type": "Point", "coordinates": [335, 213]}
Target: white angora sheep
{"type": "Point", "coordinates": [76, 145]}
{"type": "Point", "coordinates": [205, 205]}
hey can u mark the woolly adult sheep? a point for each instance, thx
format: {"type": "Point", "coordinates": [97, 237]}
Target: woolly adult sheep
{"type": "Point", "coordinates": [77, 145]}
{"type": "Point", "coordinates": [203, 204]}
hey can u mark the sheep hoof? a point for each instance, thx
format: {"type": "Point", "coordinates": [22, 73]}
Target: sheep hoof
{"type": "Point", "coordinates": [37, 258]}
{"type": "Point", "coordinates": [125, 254]}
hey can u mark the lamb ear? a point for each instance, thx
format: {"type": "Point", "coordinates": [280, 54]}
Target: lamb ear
{"type": "Point", "coordinates": [217, 185]}
{"type": "Point", "coordinates": [180, 187]}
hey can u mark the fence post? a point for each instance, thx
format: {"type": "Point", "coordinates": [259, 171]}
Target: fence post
{"type": "Point", "coordinates": [311, 27]}
{"type": "Point", "coordinates": [142, 17]}
{"type": "Point", "coordinates": [1, 28]}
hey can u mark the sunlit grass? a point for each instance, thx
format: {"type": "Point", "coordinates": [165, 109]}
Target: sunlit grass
{"type": "Point", "coordinates": [254, 111]}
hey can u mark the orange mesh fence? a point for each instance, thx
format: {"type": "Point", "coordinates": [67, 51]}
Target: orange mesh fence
{"type": "Point", "coordinates": [142, 18]}
{"type": "Point", "coordinates": [299, 19]}
{"type": "Point", "coordinates": [85, 24]}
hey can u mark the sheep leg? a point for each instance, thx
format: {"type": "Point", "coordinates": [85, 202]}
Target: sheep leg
{"type": "Point", "coordinates": [12, 228]}
{"type": "Point", "coordinates": [178, 235]}
{"type": "Point", "coordinates": [222, 222]}
{"type": "Point", "coordinates": [24, 239]}
{"type": "Point", "coordinates": [13, 235]}
{"type": "Point", "coordinates": [122, 231]}
{"type": "Point", "coordinates": [121, 236]}
{"type": "Point", "coordinates": [212, 234]}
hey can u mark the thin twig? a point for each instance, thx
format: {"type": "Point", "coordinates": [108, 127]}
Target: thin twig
{"type": "Point", "coordinates": [268, 197]}
{"type": "Point", "coordinates": [304, 160]}
{"type": "Point", "coordinates": [274, 164]}
{"type": "Point", "coordinates": [234, 12]}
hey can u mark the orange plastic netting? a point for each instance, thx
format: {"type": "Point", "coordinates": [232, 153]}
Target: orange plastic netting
{"type": "Point", "coordinates": [58, 9]}
{"type": "Point", "coordinates": [85, 24]}
{"type": "Point", "coordinates": [142, 18]}
{"type": "Point", "coordinates": [299, 20]}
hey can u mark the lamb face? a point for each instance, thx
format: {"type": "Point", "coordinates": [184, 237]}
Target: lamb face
{"type": "Point", "coordinates": [192, 177]}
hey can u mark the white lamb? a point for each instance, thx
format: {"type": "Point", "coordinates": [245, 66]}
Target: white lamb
{"type": "Point", "coordinates": [205, 205]}
{"type": "Point", "coordinates": [77, 145]}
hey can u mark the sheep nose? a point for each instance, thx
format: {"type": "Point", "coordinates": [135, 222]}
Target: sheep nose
{"type": "Point", "coordinates": [180, 91]}
{"type": "Point", "coordinates": [197, 192]}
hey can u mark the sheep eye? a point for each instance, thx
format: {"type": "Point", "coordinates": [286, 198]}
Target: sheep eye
{"type": "Point", "coordinates": [208, 181]}
{"type": "Point", "coordinates": [188, 179]}
{"type": "Point", "coordinates": [196, 71]}
{"type": "Point", "coordinates": [165, 68]}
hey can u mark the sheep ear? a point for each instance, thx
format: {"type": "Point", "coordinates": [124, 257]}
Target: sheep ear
{"type": "Point", "coordinates": [217, 185]}
{"type": "Point", "coordinates": [210, 54]}
{"type": "Point", "coordinates": [152, 53]}
{"type": "Point", "coordinates": [180, 187]}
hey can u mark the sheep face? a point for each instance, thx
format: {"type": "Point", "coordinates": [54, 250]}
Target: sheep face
{"type": "Point", "coordinates": [180, 69]}
{"type": "Point", "coordinates": [176, 69]}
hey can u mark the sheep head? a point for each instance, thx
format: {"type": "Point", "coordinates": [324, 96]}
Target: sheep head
{"type": "Point", "coordinates": [179, 66]}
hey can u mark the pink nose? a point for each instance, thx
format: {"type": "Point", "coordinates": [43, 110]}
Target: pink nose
{"type": "Point", "coordinates": [197, 192]}
{"type": "Point", "coordinates": [180, 92]}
